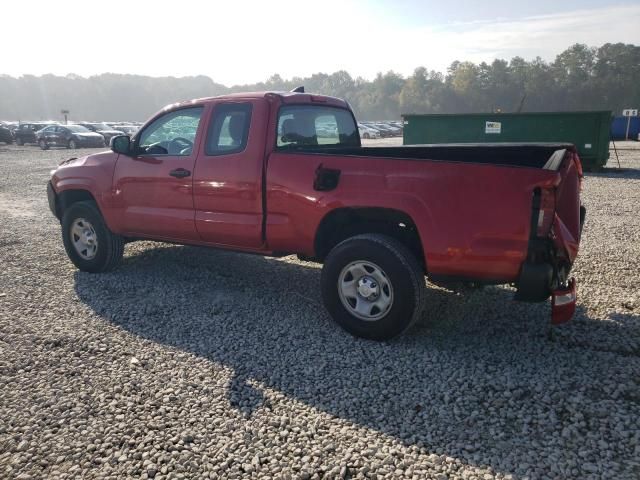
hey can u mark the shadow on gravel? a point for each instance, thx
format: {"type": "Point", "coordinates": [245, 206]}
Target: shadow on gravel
{"type": "Point", "coordinates": [614, 172]}
{"type": "Point", "coordinates": [478, 379]}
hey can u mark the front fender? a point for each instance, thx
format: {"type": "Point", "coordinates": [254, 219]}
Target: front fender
{"type": "Point", "coordinates": [92, 174]}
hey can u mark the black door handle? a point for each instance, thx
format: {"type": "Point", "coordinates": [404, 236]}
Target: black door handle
{"type": "Point", "coordinates": [180, 173]}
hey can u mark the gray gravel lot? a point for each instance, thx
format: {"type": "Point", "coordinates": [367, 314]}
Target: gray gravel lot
{"type": "Point", "coordinates": [194, 363]}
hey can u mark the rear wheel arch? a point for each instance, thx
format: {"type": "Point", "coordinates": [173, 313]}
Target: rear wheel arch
{"type": "Point", "coordinates": [343, 223]}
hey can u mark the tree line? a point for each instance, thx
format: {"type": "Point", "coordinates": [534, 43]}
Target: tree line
{"type": "Point", "coordinates": [580, 78]}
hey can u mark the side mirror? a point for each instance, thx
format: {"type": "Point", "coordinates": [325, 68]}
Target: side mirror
{"type": "Point", "coordinates": [121, 144]}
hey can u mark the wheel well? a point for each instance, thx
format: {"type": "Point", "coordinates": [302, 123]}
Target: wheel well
{"type": "Point", "coordinates": [343, 223]}
{"type": "Point", "coordinates": [66, 198]}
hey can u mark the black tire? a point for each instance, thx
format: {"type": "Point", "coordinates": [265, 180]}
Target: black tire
{"type": "Point", "coordinates": [19, 141]}
{"type": "Point", "coordinates": [72, 144]}
{"type": "Point", "coordinates": [400, 267]}
{"type": "Point", "coordinates": [43, 145]}
{"type": "Point", "coordinates": [366, 135]}
{"type": "Point", "coordinates": [110, 246]}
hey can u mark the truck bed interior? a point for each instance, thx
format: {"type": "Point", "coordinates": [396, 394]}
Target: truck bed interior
{"type": "Point", "coordinates": [536, 155]}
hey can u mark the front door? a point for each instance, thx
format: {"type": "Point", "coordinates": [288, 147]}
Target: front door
{"type": "Point", "coordinates": [153, 188]}
{"type": "Point", "coordinates": [51, 135]}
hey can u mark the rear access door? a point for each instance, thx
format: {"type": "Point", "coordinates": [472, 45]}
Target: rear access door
{"type": "Point", "coordinates": [227, 181]}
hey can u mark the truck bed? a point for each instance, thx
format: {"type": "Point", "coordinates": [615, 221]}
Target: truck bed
{"type": "Point", "coordinates": [471, 204]}
{"type": "Point", "coordinates": [531, 155]}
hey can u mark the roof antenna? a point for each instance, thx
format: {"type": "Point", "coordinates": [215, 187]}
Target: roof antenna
{"type": "Point", "coordinates": [299, 89]}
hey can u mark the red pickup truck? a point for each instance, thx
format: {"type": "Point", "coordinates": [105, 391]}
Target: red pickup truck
{"type": "Point", "coordinates": [285, 173]}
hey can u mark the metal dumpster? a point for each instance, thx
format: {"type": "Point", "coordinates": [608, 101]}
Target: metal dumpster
{"type": "Point", "coordinates": [588, 131]}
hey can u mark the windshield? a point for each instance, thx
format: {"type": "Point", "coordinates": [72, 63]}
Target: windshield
{"type": "Point", "coordinates": [77, 129]}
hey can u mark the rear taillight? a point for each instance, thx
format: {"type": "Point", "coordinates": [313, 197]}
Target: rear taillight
{"type": "Point", "coordinates": [578, 163]}
{"type": "Point", "coordinates": [547, 211]}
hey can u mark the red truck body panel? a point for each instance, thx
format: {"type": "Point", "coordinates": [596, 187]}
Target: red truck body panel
{"type": "Point", "coordinates": [465, 226]}
{"type": "Point", "coordinates": [474, 220]}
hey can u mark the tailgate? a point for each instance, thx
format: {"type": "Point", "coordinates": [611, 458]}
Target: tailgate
{"type": "Point", "coordinates": [569, 214]}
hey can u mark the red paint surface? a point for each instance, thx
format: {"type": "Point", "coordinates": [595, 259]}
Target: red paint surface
{"type": "Point", "coordinates": [473, 219]}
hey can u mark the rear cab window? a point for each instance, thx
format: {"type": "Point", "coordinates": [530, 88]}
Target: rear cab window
{"type": "Point", "coordinates": [315, 126]}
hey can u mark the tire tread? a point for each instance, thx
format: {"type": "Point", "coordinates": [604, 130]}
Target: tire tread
{"type": "Point", "coordinates": [403, 255]}
{"type": "Point", "coordinates": [114, 244]}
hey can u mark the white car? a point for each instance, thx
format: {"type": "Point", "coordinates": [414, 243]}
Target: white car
{"type": "Point", "coordinates": [366, 132]}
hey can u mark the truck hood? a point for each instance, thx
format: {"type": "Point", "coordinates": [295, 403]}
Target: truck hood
{"type": "Point", "coordinates": [90, 172]}
{"type": "Point", "coordinates": [89, 160]}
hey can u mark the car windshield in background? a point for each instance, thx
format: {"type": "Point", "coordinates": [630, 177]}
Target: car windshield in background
{"type": "Point", "coordinates": [77, 129]}
{"type": "Point", "coordinates": [303, 125]}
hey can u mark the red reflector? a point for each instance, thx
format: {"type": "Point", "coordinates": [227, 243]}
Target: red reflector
{"type": "Point", "coordinates": [563, 303]}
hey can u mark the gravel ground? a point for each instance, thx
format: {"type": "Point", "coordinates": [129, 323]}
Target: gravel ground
{"type": "Point", "coordinates": [194, 363]}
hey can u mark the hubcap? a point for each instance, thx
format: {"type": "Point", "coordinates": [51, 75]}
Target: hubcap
{"type": "Point", "coordinates": [365, 290]}
{"type": "Point", "coordinates": [84, 238]}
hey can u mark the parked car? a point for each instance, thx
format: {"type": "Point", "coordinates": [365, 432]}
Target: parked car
{"type": "Point", "coordinates": [129, 130]}
{"type": "Point", "coordinates": [11, 126]}
{"type": "Point", "coordinates": [368, 132]}
{"type": "Point", "coordinates": [26, 132]}
{"type": "Point", "coordinates": [397, 125]}
{"type": "Point", "coordinates": [379, 219]}
{"type": "Point", "coordinates": [327, 130]}
{"type": "Point", "coordinates": [69, 136]}
{"type": "Point", "coordinates": [103, 129]}
{"type": "Point", "coordinates": [382, 131]}
{"type": "Point", "coordinates": [5, 135]}
{"type": "Point", "coordinates": [387, 130]}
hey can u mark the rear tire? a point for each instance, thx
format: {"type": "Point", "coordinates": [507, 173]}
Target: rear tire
{"type": "Point", "coordinates": [43, 145]}
{"type": "Point", "coordinates": [19, 141]}
{"type": "Point", "coordinates": [72, 144]}
{"type": "Point", "coordinates": [386, 264]}
{"type": "Point", "coordinates": [110, 247]}
{"type": "Point", "coordinates": [367, 136]}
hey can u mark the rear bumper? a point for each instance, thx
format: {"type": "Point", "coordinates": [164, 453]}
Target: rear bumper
{"type": "Point", "coordinates": [563, 303]}
{"type": "Point", "coordinates": [549, 277]}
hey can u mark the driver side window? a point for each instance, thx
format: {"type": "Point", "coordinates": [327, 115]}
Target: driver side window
{"type": "Point", "coordinates": [171, 134]}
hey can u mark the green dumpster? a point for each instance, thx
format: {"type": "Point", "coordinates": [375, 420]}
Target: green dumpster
{"type": "Point", "coordinates": [588, 131]}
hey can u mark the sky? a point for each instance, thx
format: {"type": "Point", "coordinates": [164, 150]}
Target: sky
{"type": "Point", "coordinates": [237, 42]}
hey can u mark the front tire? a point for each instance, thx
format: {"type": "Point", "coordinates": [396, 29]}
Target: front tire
{"type": "Point", "coordinates": [19, 141]}
{"type": "Point", "coordinates": [72, 144]}
{"type": "Point", "coordinates": [373, 286]}
{"type": "Point", "coordinates": [89, 243]}
{"type": "Point", "coordinates": [43, 145]}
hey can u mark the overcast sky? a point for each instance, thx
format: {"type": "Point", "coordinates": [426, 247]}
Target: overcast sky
{"type": "Point", "coordinates": [239, 41]}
